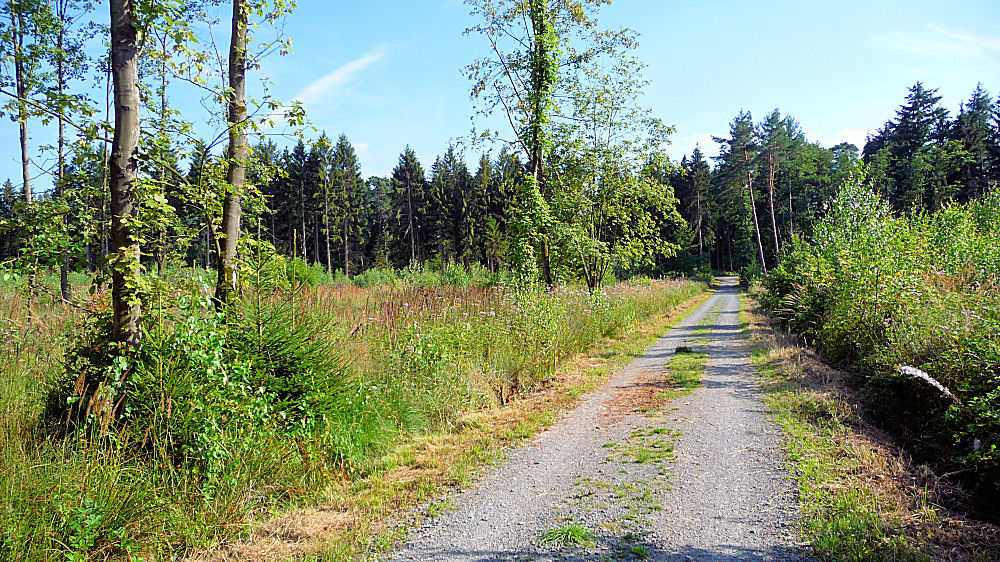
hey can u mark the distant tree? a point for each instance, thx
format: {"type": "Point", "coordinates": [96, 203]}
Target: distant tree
{"type": "Point", "coordinates": [698, 205]}
{"type": "Point", "coordinates": [736, 165]}
{"type": "Point", "coordinates": [409, 182]}
{"type": "Point", "coordinates": [349, 190]}
{"type": "Point", "coordinates": [975, 129]}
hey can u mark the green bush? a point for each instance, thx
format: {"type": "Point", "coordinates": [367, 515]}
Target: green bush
{"type": "Point", "coordinates": [303, 274]}
{"type": "Point", "coordinates": [881, 291]}
{"type": "Point", "coordinates": [376, 277]}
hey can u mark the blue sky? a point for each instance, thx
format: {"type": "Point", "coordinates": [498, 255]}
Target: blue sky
{"type": "Point", "coordinates": [389, 72]}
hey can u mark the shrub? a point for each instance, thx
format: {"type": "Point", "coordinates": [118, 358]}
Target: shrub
{"type": "Point", "coordinates": [881, 291]}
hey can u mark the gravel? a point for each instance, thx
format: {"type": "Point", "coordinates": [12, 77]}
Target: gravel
{"type": "Point", "coordinates": [700, 479]}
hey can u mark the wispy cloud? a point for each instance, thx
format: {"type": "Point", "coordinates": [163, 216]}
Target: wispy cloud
{"type": "Point", "coordinates": [942, 42]}
{"type": "Point", "coordinates": [341, 76]}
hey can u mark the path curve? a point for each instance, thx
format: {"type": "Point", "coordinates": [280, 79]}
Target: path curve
{"type": "Point", "coordinates": [700, 479]}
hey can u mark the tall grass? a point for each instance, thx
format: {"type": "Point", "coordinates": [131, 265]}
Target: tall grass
{"type": "Point", "coordinates": [885, 291]}
{"type": "Point", "coordinates": [219, 421]}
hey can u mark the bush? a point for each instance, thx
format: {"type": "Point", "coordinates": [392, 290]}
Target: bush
{"type": "Point", "coordinates": [303, 274]}
{"type": "Point", "coordinates": [881, 291]}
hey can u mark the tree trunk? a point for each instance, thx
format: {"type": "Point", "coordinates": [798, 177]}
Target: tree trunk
{"type": "Point", "coordinates": [105, 168]}
{"type": "Point", "coordinates": [316, 253]}
{"type": "Point", "coordinates": [326, 227]}
{"type": "Point", "coordinates": [226, 288]}
{"type": "Point", "coordinates": [21, 88]}
{"type": "Point", "coordinates": [701, 245]}
{"type": "Point", "coordinates": [541, 86]}
{"type": "Point", "coordinates": [124, 171]}
{"type": "Point", "coordinates": [61, 140]}
{"type": "Point", "coordinates": [347, 263]}
{"type": "Point", "coordinates": [302, 210]}
{"type": "Point", "coordinates": [753, 212]}
{"type": "Point", "coordinates": [413, 231]}
{"type": "Point", "coordinates": [161, 235]}
{"type": "Point", "coordinates": [772, 173]}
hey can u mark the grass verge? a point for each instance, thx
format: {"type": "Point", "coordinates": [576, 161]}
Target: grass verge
{"type": "Point", "coordinates": [861, 496]}
{"type": "Point", "coordinates": [363, 517]}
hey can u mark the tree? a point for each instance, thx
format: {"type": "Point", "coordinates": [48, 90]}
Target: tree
{"type": "Point", "coordinates": [973, 128]}
{"type": "Point", "coordinates": [236, 156]}
{"type": "Point", "coordinates": [775, 137]}
{"type": "Point", "coordinates": [408, 179]}
{"type": "Point", "coordinates": [736, 162]}
{"type": "Point", "coordinates": [28, 31]}
{"type": "Point", "coordinates": [535, 42]}
{"type": "Point", "coordinates": [699, 179]}
{"type": "Point", "coordinates": [126, 301]}
{"type": "Point", "coordinates": [349, 188]}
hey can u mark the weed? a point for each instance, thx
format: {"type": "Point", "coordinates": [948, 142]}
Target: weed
{"type": "Point", "coordinates": [568, 535]}
{"type": "Point", "coordinates": [639, 551]}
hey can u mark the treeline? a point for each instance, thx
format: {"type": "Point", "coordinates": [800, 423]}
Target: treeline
{"type": "Point", "coordinates": [924, 157]}
{"type": "Point", "coordinates": [770, 183]}
{"type": "Point", "coordinates": [322, 211]}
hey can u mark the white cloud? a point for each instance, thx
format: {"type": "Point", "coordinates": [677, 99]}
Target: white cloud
{"type": "Point", "coordinates": [857, 137]}
{"type": "Point", "coordinates": [324, 86]}
{"type": "Point", "coordinates": [684, 145]}
{"type": "Point", "coordinates": [942, 42]}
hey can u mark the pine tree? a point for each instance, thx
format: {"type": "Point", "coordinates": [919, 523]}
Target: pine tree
{"type": "Point", "coordinates": [736, 166]}
{"type": "Point", "coordinates": [349, 189]}
{"type": "Point", "coordinates": [974, 128]}
{"type": "Point", "coordinates": [409, 182]}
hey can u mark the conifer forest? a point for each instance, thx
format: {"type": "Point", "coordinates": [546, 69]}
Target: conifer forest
{"type": "Point", "coordinates": [220, 340]}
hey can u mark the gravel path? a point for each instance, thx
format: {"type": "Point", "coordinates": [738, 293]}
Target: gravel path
{"type": "Point", "coordinates": [699, 479]}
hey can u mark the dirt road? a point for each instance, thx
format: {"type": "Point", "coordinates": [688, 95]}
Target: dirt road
{"type": "Point", "coordinates": [621, 477]}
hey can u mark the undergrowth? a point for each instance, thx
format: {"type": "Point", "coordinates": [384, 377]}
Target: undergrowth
{"type": "Point", "coordinates": [913, 303]}
{"type": "Point", "coordinates": [860, 497]}
{"type": "Point", "coordinates": [223, 420]}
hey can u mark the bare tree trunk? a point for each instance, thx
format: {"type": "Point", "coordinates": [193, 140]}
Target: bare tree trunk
{"type": "Point", "coordinates": [347, 247]}
{"type": "Point", "coordinates": [772, 173]}
{"type": "Point", "coordinates": [228, 279]}
{"type": "Point", "coordinates": [124, 172]}
{"type": "Point", "coordinates": [302, 209]}
{"type": "Point", "coordinates": [21, 87]}
{"type": "Point", "coordinates": [316, 253]}
{"type": "Point", "coordinates": [326, 226]}
{"type": "Point", "coordinates": [409, 218]}
{"type": "Point", "coordinates": [753, 212]}
{"type": "Point", "coordinates": [700, 241]}
{"type": "Point", "coordinates": [791, 217]}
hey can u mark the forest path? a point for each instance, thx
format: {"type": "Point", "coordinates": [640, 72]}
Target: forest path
{"type": "Point", "coordinates": [699, 478]}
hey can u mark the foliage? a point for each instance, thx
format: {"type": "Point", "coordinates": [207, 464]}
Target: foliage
{"type": "Point", "coordinates": [224, 418]}
{"type": "Point", "coordinates": [884, 291]}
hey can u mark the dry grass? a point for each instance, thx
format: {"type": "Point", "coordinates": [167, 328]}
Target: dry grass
{"type": "Point", "coordinates": [647, 392]}
{"type": "Point", "coordinates": [922, 514]}
{"type": "Point", "coordinates": [370, 513]}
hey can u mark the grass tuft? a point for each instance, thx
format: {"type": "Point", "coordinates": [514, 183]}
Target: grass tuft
{"type": "Point", "coordinates": [568, 535]}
